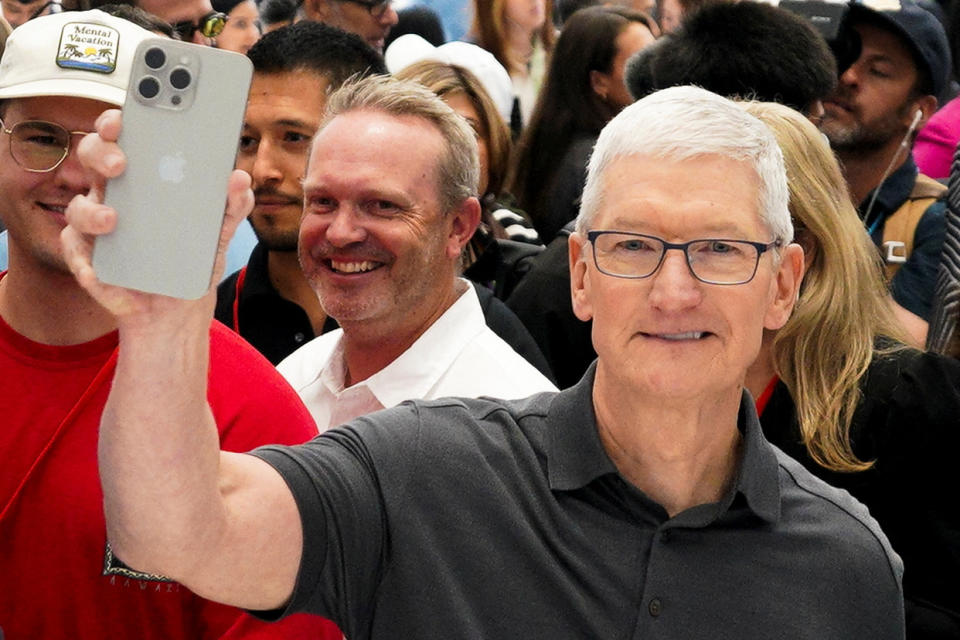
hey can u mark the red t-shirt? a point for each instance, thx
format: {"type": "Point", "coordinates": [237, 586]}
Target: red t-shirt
{"type": "Point", "coordinates": [56, 577]}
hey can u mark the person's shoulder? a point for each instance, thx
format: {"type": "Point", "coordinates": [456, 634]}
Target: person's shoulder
{"type": "Point", "coordinates": [477, 421]}
{"type": "Point", "coordinates": [839, 521]}
{"type": "Point", "coordinates": [252, 404]}
{"type": "Point", "coordinates": [549, 268]}
{"type": "Point", "coordinates": [909, 398]}
{"type": "Point", "coordinates": [226, 295]}
{"type": "Point", "coordinates": [906, 374]}
{"type": "Point", "coordinates": [452, 433]}
{"type": "Point", "coordinates": [489, 366]}
{"type": "Point", "coordinates": [934, 218]}
{"type": "Point", "coordinates": [304, 365]}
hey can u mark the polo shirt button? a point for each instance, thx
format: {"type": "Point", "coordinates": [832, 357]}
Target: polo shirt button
{"type": "Point", "coordinates": [298, 337]}
{"type": "Point", "coordinates": [654, 607]}
{"type": "Point", "coordinates": [665, 536]}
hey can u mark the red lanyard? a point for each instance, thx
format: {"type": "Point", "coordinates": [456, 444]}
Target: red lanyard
{"type": "Point", "coordinates": [241, 276]}
{"type": "Point", "coordinates": [101, 378]}
{"type": "Point", "coordinates": [765, 396]}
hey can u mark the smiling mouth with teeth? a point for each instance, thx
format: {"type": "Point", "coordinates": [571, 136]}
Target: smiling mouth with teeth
{"type": "Point", "coordinates": [354, 267]}
{"type": "Point", "coordinates": [689, 335]}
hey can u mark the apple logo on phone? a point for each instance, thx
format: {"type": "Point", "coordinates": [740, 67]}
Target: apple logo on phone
{"type": "Point", "coordinates": [172, 168]}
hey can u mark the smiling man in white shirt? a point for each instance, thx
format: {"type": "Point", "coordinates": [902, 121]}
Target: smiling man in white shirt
{"type": "Point", "coordinates": [389, 204]}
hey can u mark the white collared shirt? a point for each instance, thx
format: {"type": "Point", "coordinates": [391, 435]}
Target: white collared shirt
{"type": "Point", "coordinates": [458, 355]}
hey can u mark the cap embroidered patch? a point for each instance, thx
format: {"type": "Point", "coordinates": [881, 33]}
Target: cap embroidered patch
{"type": "Point", "coordinates": [87, 46]}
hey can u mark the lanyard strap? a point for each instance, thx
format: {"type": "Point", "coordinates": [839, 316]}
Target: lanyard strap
{"type": "Point", "coordinates": [98, 380]}
{"type": "Point", "coordinates": [241, 276]}
{"type": "Point", "coordinates": [765, 396]}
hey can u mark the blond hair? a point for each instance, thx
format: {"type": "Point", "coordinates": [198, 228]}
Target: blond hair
{"type": "Point", "coordinates": [827, 345]}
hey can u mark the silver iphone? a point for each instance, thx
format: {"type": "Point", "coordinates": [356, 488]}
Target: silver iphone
{"type": "Point", "coordinates": [181, 130]}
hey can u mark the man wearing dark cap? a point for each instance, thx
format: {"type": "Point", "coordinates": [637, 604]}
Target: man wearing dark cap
{"type": "Point", "coordinates": [881, 100]}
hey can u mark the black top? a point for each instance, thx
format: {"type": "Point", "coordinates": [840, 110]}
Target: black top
{"type": "Point", "coordinates": [275, 326]}
{"type": "Point", "coordinates": [559, 201]}
{"type": "Point", "coordinates": [914, 282]}
{"type": "Point", "coordinates": [542, 302]}
{"type": "Point", "coordinates": [482, 518]}
{"type": "Point", "coordinates": [909, 422]}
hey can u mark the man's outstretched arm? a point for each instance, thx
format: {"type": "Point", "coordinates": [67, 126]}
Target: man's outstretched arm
{"type": "Point", "coordinates": [225, 525]}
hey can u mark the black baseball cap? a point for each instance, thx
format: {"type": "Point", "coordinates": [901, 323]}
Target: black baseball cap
{"type": "Point", "coordinates": [922, 31]}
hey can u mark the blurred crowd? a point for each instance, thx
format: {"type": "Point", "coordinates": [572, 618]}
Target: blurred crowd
{"type": "Point", "coordinates": [418, 230]}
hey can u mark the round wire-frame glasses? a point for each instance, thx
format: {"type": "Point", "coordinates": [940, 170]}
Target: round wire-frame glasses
{"type": "Point", "coordinates": [39, 146]}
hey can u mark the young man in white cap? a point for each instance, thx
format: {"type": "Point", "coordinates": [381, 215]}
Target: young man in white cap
{"type": "Point", "coordinates": [58, 576]}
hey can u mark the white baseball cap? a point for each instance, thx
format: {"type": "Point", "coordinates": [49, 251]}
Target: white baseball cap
{"type": "Point", "coordinates": [411, 48]}
{"type": "Point", "coordinates": [81, 54]}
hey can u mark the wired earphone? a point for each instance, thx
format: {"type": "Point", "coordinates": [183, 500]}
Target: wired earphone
{"type": "Point", "coordinates": [904, 146]}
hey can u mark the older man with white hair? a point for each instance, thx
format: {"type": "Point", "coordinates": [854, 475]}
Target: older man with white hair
{"type": "Point", "coordinates": [642, 502]}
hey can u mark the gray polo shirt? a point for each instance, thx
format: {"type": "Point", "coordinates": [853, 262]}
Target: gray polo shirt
{"type": "Point", "coordinates": [492, 519]}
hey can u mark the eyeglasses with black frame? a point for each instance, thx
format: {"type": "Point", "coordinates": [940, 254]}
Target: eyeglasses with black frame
{"type": "Point", "coordinates": [39, 146]}
{"type": "Point", "coordinates": [210, 26]}
{"type": "Point", "coordinates": [623, 254]}
{"type": "Point", "coordinates": [375, 8]}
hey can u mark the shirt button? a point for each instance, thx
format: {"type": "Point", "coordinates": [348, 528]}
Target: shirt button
{"type": "Point", "coordinates": [654, 607]}
{"type": "Point", "coordinates": [665, 536]}
{"type": "Point", "coordinates": [298, 337]}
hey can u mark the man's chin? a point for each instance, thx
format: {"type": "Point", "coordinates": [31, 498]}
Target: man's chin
{"type": "Point", "coordinates": [840, 136]}
{"type": "Point", "coordinates": [277, 242]}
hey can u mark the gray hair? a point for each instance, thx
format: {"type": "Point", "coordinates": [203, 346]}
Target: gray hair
{"type": "Point", "coordinates": [458, 169]}
{"type": "Point", "coordinates": [681, 123]}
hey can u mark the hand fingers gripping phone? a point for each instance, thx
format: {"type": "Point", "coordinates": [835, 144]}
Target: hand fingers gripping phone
{"type": "Point", "coordinates": [181, 130]}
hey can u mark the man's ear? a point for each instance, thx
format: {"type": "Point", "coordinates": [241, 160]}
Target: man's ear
{"type": "Point", "coordinates": [927, 105]}
{"type": "Point", "coordinates": [463, 223]}
{"type": "Point", "coordinates": [578, 253]}
{"type": "Point", "coordinates": [318, 10]}
{"type": "Point", "coordinates": [787, 282]}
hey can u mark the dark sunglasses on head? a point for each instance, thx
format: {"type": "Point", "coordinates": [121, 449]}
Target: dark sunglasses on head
{"type": "Point", "coordinates": [210, 26]}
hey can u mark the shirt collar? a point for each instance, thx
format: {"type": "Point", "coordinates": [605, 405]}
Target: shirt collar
{"type": "Point", "coordinates": [418, 369]}
{"type": "Point", "coordinates": [256, 282]}
{"type": "Point", "coordinates": [576, 456]}
{"type": "Point", "coordinates": [758, 479]}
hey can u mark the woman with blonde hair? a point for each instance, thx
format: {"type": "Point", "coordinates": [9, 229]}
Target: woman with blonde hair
{"type": "Point", "coordinates": [837, 388]}
{"type": "Point", "coordinates": [520, 35]}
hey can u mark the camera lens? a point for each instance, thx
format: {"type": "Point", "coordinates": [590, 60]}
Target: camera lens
{"type": "Point", "coordinates": [149, 87]}
{"type": "Point", "coordinates": [155, 58]}
{"type": "Point", "coordinates": [180, 78]}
